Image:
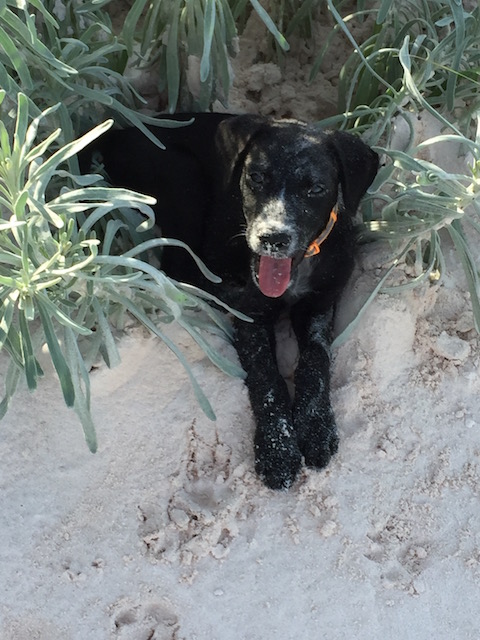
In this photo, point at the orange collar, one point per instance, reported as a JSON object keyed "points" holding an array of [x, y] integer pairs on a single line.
{"points": [[314, 247]]}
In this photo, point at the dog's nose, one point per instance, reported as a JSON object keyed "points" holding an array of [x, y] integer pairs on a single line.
{"points": [[275, 242]]}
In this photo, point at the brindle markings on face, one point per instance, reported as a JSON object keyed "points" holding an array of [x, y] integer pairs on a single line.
{"points": [[272, 219], [266, 215], [288, 169]]}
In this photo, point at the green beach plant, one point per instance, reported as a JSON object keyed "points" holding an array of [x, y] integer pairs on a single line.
{"points": [[74, 60], [415, 203], [444, 56], [288, 17], [72, 249], [190, 44], [59, 283]]}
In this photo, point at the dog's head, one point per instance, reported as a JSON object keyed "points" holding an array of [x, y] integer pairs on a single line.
{"points": [[294, 181]]}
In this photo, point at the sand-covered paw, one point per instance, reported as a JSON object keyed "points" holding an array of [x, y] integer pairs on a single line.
{"points": [[277, 456], [317, 438]]}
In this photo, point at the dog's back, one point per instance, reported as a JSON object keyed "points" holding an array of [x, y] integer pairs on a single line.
{"points": [[180, 177]]}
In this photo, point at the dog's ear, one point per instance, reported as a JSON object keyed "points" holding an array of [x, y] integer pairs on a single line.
{"points": [[233, 136], [358, 166]]}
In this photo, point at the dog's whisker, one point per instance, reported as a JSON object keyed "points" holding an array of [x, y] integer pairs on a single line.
{"points": [[242, 234]]}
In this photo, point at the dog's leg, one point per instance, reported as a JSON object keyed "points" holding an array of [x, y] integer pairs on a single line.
{"points": [[277, 456], [312, 412]]}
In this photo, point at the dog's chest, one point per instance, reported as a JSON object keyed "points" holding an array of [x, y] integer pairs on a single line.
{"points": [[301, 283]]}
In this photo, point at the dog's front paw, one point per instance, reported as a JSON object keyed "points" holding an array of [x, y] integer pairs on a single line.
{"points": [[317, 438], [277, 456]]}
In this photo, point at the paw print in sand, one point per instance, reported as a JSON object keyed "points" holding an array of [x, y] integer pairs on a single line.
{"points": [[207, 501], [150, 620]]}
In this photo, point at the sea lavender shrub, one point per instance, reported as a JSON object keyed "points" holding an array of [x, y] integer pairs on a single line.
{"points": [[406, 68]]}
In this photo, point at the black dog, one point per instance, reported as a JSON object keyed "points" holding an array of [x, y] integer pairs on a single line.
{"points": [[269, 206]]}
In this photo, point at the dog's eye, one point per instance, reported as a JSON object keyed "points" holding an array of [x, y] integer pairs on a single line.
{"points": [[256, 177], [316, 189]]}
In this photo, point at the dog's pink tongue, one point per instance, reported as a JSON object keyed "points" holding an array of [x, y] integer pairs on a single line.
{"points": [[274, 275]]}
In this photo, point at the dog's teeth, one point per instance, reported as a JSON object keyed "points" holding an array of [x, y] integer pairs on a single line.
{"points": [[274, 275]]}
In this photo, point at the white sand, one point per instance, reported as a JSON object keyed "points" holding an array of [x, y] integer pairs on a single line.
{"points": [[166, 533]]}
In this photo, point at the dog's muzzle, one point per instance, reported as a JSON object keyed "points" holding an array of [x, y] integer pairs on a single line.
{"points": [[273, 270]]}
